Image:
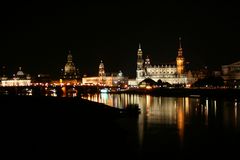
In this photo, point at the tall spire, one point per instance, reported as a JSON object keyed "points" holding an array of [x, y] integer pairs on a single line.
{"points": [[180, 43], [180, 59], [139, 57], [140, 63], [180, 50]]}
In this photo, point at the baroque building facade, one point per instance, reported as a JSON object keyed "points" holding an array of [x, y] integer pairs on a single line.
{"points": [[112, 80], [70, 73], [18, 79], [171, 73]]}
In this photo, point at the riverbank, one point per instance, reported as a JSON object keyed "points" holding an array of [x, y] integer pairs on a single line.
{"points": [[81, 90], [51, 127]]}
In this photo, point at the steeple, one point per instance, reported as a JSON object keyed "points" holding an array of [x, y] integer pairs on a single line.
{"points": [[180, 59], [139, 57], [140, 62], [180, 50], [180, 43], [101, 71]]}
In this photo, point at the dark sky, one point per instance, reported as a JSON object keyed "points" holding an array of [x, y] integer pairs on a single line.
{"points": [[37, 35]]}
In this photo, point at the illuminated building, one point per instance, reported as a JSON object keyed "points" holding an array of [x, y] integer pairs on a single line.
{"points": [[70, 73], [231, 71], [180, 59], [171, 73], [114, 79], [18, 79]]}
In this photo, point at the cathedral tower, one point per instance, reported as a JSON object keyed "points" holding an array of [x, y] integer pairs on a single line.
{"points": [[180, 59], [101, 71], [140, 69], [147, 62]]}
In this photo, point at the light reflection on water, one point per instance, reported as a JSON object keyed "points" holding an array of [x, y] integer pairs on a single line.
{"points": [[161, 110], [159, 114]]}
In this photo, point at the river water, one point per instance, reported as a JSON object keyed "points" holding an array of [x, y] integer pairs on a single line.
{"points": [[180, 126]]}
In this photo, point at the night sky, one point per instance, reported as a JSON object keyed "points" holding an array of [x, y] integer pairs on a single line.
{"points": [[37, 35]]}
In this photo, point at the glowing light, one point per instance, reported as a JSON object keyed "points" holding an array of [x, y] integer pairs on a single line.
{"points": [[104, 90], [148, 87], [16, 82], [148, 105], [187, 105], [215, 107], [235, 114], [206, 112]]}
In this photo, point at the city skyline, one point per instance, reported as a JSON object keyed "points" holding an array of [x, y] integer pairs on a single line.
{"points": [[37, 36]]}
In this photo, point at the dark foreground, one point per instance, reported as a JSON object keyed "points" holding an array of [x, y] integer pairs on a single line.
{"points": [[66, 128], [73, 128]]}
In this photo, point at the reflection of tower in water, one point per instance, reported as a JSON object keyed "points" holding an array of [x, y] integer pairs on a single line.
{"points": [[236, 110], [206, 112], [180, 119]]}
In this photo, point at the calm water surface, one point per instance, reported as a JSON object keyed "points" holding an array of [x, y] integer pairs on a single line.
{"points": [[180, 125]]}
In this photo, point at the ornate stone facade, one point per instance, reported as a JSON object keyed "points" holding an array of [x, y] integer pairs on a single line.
{"points": [[171, 73], [70, 73], [112, 80]]}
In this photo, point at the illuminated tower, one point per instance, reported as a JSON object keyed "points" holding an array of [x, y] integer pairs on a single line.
{"points": [[147, 62], [140, 62], [101, 71], [180, 59]]}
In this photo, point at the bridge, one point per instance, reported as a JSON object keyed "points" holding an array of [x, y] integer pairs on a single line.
{"points": [[49, 90]]}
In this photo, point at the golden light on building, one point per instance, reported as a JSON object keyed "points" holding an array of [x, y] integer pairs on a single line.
{"points": [[171, 73], [18, 79], [180, 59], [112, 80]]}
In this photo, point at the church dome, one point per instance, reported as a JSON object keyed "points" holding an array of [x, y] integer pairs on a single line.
{"points": [[20, 72], [69, 68]]}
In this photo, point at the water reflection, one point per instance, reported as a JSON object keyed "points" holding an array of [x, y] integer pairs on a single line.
{"points": [[169, 110], [51, 92], [174, 113], [180, 118]]}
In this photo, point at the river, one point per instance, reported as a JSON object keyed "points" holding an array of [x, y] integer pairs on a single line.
{"points": [[180, 125]]}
